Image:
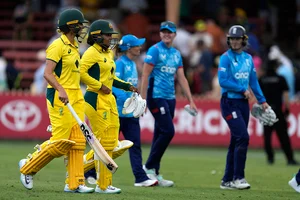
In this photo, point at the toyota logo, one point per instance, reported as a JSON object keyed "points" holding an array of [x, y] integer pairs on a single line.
{"points": [[20, 115]]}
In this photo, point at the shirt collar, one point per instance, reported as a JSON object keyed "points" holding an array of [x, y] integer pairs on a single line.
{"points": [[98, 47], [125, 58], [65, 40], [164, 45]]}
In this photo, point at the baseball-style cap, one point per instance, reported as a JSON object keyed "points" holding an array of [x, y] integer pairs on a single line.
{"points": [[128, 41], [168, 25]]}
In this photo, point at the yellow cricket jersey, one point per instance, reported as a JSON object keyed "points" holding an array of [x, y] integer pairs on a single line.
{"points": [[97, 68], [67, 58]]}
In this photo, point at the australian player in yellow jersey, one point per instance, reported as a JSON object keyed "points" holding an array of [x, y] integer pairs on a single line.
{"points": [[98, 73], [62, 73]]}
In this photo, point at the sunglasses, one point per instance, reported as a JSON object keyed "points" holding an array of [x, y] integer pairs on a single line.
{"points": [[169, 24]]}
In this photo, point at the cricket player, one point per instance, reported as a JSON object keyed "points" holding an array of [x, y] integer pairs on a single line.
{"points": [[130, 48], [62, 73], [162, 63], [236, 73], [98, 73]]}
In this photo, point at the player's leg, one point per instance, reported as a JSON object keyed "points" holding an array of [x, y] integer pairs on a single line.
{"points": [[88, 159], [163, 113], [130, 128], [75, 181], [239, 130], [268, 143], [100, 121], [236, 114], [281, 128], [49, 149], [227, 180]]}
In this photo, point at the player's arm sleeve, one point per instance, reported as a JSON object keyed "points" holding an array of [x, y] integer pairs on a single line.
{"points": [[152, 55], [120, 94], [254, 85], [54, 52], [87, 62], [118, 83], [224, 76]]}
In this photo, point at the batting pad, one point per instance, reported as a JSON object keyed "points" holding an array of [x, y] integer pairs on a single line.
{"points": [[45, 154], [104, 179], [88, 161], [109, 140], [75, 162]]}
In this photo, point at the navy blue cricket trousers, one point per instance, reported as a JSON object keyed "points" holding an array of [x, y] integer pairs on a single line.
{"points": [[236, 114], [130, 128], [163, 113]]}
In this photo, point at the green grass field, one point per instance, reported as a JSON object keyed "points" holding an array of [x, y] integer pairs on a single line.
{"points": [[196, 172]]}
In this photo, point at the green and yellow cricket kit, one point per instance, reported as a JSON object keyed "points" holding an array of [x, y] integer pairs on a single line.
{"points": [[97, 69], [66, 138]]}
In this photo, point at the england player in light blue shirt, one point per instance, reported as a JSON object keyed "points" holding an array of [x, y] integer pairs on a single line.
{"points": [[130, 48], [162, 63], [236, 73]]}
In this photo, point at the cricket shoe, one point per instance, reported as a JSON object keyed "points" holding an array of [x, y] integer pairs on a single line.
{"points": [[241, 184], [109, 190], [80, 189], [293, 183], [229, 185], [91, 176], [161, 182], [146, 183], [26, 180]]}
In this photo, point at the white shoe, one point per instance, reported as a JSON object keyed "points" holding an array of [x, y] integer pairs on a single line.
{"points": [[164, 183], [26, 180], [153, 176], [91, 180], [109, 190], [146, 183], [241, 184], [293, 183], [80, 189], [150, 173], [229, 185]]}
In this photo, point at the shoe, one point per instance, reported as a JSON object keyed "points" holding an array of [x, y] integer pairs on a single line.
{"points": [[150, 173], [270, 161], [241, 184], [91, 180], [293, 183], [26, 180], [229, 185], [153, 176], [292, 162], [80, 189], [110, 190], [146, 183], [163, 182]]}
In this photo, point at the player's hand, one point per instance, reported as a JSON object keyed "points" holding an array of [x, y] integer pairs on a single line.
{"points": [[193, 105], [247, 94], [62, 96], [133, 89], [265, 106], [105, 89]]}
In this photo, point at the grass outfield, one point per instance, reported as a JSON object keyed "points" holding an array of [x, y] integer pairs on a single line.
{"points": [[196, 172]]}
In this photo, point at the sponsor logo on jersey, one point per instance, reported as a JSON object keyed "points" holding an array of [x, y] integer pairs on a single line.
{"points": [[170, 70], [241, 75]]}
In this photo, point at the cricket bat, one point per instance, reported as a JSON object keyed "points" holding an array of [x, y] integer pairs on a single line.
{"points": [[94, 143]]}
